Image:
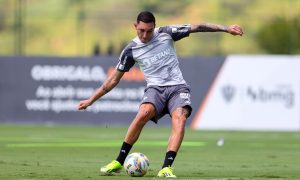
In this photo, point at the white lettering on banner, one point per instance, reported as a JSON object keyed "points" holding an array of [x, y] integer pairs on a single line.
{"points": [[63, 92], [115, 106], [59, 106], [67, 73], [65, 99], [43, 92], [81, 93], [64, 105], [37, 105], [126, 93]]}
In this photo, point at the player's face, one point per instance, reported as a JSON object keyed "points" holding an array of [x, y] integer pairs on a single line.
{"points": [[144, 31]]}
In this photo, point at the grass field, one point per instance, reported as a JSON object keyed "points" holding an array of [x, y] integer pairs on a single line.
{"points": [[77, 152]]}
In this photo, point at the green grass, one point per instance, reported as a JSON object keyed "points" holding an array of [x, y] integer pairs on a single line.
{"points": [[77, 152]]}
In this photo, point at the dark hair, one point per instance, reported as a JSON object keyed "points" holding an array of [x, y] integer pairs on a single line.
{"points": [[146, 17]]}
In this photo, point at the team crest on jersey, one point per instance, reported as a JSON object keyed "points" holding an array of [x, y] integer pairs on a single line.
{"points": [[121, 67], [174, 30]]}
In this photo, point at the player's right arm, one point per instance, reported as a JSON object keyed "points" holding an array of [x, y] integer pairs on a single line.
{"points": [[126, 61], [107, 86]]}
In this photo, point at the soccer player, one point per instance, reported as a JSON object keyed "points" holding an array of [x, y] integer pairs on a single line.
{"points": [[166, 93]]}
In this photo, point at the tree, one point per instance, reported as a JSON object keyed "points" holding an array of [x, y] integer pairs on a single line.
{"points": [[280, 36]]}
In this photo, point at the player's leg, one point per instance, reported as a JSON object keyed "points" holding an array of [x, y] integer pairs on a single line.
{"points": [[180, 107], [179, 117], [145, 113]]}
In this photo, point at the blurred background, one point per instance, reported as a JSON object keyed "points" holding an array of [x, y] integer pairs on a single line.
{"points": [[245, 90], [85, 28]]}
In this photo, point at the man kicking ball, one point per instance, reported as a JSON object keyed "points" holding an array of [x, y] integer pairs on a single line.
{"points": [[166, 93]]}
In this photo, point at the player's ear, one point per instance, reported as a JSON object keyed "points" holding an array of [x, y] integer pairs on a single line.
{"points": [[135, 25]]}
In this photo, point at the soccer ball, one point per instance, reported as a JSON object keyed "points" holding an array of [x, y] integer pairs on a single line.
{"points": [[136, 164]]}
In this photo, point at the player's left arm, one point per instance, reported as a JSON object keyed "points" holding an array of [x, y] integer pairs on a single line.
{"points": [[208, 27]]}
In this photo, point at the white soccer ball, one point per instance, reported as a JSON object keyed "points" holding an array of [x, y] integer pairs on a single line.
{"points": [[136, 164]]}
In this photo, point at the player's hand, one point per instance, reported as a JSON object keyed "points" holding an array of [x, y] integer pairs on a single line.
{"points": [[235, 30], [84, 104]]}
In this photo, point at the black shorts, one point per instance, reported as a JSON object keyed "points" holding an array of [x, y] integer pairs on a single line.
{"points": [[167, 98]]}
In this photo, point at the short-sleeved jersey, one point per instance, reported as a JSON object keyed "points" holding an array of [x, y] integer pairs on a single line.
{"points": [[156, 58]]}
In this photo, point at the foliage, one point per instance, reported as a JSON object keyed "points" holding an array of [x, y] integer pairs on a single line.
{"points": [[166, 7], [280, 36], [77, 27]]}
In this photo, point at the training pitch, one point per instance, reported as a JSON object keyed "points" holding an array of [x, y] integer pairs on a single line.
{"points": [[77, 152]]}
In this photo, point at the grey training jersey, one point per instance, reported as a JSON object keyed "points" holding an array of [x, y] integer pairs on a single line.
{"points": [[157, 58]]}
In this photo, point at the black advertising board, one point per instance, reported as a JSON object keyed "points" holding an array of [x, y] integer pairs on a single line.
{"points": [[47, 90]]}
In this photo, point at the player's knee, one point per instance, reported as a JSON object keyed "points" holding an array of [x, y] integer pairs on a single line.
{"points": [[179, 120], [181, 114], [182, 120], [145, 114]]}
